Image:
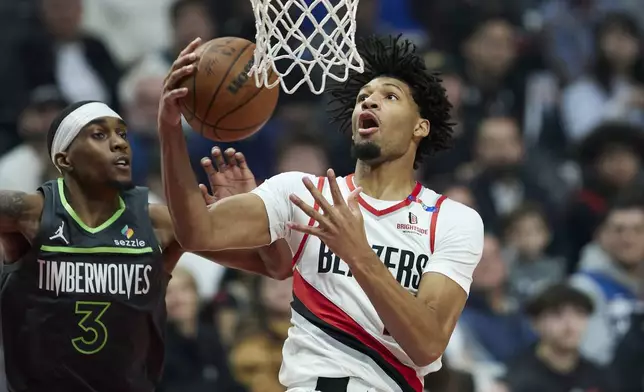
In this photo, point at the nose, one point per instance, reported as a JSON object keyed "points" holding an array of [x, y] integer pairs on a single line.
{"points": [[118, 143], [369, 103]]}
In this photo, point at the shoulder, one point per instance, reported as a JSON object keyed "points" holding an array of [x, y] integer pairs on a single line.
{"points": [[290, 182], [16, 204], [586, 282], [457, 218], [582, 86]]}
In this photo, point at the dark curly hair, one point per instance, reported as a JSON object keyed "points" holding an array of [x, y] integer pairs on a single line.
{"points": [[397, 58]]}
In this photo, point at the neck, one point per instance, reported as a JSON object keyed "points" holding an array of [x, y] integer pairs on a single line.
{"points": [[562, 361], [187, 328], [482, 79], [496, 299], [392, 180], [93, 206]]}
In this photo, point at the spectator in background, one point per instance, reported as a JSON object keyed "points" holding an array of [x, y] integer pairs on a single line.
{"points": [[614, 88], [527, 237], [613, 284], [610, 159], [560, 316], [140, 92], [449, 380], [195, 358], [492, 84], [444, 162], [190, 19], [27, 166], [80, 65], [302, 151], [461, 193], [502, 180], [256, 357], [491, 329], [628, 365]]}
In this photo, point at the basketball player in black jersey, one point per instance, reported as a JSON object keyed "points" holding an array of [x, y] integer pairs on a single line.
{"points": [[84, 307]]}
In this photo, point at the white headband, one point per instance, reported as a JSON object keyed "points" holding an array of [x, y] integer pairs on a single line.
{"points": [[71, 125]]}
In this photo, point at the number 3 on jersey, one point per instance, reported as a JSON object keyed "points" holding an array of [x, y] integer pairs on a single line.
{"points": [[94, 336]]}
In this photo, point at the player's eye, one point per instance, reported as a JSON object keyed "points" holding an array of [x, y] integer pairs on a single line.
{"points": [[98, 135], [362, 97], [391, 97], [122, 134]]}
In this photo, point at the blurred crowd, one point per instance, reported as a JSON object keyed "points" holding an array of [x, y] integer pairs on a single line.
{"points": [[548, 101]]}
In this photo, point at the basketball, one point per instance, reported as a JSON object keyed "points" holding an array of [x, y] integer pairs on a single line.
{"points": [[223, 102]]}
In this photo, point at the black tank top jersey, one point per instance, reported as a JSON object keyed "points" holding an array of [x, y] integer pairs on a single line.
{"points": [[85, 309]]}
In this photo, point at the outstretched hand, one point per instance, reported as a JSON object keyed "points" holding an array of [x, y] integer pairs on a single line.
{"points": [[228, 174], [340, 226], [184, 66]]}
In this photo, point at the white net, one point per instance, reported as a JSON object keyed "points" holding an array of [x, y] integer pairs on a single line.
{"points": [[311, 40]]}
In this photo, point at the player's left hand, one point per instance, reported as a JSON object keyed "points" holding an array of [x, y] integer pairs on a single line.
{"points": [[228, 174], [183, 66], [340, 226]]}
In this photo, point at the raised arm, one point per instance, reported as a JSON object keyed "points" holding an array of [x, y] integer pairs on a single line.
{"points": [[236, 222], [20, 212]]}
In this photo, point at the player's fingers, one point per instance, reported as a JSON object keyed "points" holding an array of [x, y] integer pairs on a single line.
{"points": [[241, 161], [192, 46], [208, 167], [352, 201], [230, 157], [318, 196], [172, 95], [207, 197], [336, 194], [178, 75], [189, 59], [218, 158], [306, 229], [308, 210]]}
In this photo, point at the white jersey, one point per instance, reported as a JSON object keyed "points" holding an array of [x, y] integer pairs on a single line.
{"points": [[336, 330]]}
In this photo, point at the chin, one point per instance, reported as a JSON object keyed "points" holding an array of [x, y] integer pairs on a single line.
{"points": [[123, 184], [366, 151]]}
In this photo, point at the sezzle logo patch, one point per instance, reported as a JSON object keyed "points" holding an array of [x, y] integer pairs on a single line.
{"points": [[128, 233]]}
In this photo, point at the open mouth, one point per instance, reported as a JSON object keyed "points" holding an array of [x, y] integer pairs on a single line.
{"points": [[367, 123], [123, 162]]}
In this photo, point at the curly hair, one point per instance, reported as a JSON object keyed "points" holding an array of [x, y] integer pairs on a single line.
{"points": [[397, 58]]}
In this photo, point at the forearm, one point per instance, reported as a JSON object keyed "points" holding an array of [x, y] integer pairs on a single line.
{"points": [[272, 261], [189, 214], [409, 321]]}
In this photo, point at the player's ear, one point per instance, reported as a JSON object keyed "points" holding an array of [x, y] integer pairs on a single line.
{"points": [[62, 162], [422, 128]]}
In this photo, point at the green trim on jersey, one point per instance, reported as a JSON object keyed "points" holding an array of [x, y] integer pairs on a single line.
{"points": [[92, 230], [99, 249]]}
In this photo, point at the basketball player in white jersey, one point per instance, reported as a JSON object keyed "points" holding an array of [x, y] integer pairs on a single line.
{"points": [[382, 266]]}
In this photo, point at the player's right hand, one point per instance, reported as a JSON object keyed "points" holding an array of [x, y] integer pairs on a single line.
{"points": [[183, 66], [228, 174]]}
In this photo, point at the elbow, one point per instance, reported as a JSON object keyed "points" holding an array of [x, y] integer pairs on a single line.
{"points": [[426, 357], [429, 352], [192, 242], [281, 274]]}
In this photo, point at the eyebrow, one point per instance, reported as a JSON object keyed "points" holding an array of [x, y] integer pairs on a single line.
{"points": [[394, 86], [367, 86]]}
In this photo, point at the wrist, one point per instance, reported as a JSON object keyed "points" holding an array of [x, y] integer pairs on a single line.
{"points": [[363, 260]]}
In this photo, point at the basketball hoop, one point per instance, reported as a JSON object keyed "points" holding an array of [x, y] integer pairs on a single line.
{"points": [[282, 37]]}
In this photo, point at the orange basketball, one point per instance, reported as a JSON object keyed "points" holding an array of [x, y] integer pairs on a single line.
{"points": [[223, 102]]}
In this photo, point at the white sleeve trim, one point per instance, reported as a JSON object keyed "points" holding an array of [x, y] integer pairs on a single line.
{"points": [[458, 243], [275, 193]]}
